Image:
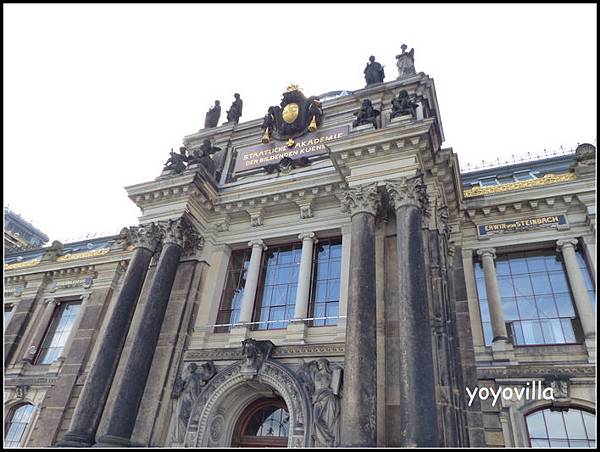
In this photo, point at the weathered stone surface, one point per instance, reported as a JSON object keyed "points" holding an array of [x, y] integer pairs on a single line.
{"points": [[416, 376], [91, 403], [359, 405], [131, 387], [16, 327]]}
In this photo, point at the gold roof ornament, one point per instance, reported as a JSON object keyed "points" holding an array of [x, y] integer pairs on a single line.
{"points": [[293, 87]]}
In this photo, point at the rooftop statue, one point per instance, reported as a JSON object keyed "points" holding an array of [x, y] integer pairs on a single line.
{"points": [[403, 105], [373, 72], [405, 63], [202, 156], [212, 115], [176, 162], [234, 113], [366, 115]]}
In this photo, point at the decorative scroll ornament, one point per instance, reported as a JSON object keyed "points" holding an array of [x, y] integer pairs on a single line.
{"points": [[408, 192], [322, 383], [146, 236], [187, 391], [362, 199]]}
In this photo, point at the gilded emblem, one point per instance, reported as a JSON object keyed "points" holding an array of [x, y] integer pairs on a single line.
{"points": [[290, 113]]}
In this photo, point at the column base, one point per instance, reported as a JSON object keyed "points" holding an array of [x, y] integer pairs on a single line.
{"points": [[112, 441], [296, 332], [237, 335], [74, 440], [503, 350]]}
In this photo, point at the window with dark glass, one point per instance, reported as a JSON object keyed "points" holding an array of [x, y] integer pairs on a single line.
{"points": [[325, 293], [572, 428], [536, 299], [488, 182], [265, 423], [16, 426], [279, 281], [231, 301], [523, 175], [8, 310], [58, 332]]}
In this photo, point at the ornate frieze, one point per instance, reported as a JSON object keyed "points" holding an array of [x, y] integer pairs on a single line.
{"points": [[362, 199], [282, 351], [532, 372], [408, 191], [546, 180]]}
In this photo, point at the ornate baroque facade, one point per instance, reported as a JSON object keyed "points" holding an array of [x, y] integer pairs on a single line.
{"points": [[346, 297]]}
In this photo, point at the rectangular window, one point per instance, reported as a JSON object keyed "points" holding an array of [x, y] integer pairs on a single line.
{"points": [[58, 332], [523, 175], [325, 290], [231, 300], [488, 182], [536, 299], [277, 288]]}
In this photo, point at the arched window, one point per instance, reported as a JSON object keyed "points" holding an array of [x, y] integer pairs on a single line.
{"points": [[572, 428], [264, 423], [17, 424]]}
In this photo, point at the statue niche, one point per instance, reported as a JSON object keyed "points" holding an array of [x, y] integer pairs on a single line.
{"points": [[322, 383], [187, 391], [403, 105], [366, 115]]}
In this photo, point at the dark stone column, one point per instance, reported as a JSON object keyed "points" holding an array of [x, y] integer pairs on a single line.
{"points": [[92, 400], [418, 415], [16, 327], [122, 417], [359, 413]]}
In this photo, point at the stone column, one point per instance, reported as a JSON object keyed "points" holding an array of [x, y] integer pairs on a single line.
{"points": [[578, 287], [303, 291], [359, 405], [418, 413], [122, 417], [40, 331], [93, 397], [493, 295], [251, 285]]}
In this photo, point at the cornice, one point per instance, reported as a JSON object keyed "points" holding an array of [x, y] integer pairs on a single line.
{"points": [[282, 351], [536, 371]]}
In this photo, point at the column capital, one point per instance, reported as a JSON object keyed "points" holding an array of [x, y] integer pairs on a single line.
{"points": [[259, 243], [181, 233], [487, 252], [144, 236], [308, 236], [361, 199], [408, 191], [566, 243]]}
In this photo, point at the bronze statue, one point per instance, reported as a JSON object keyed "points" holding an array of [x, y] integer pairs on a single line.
{"points": [[212, 115], [373, 72], [405, 63], [234, 113], [366, 115], [403, 105], [202, 156], [176, 162]]}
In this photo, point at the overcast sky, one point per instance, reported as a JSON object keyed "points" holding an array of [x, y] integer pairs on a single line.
{"points": [[95, 96]]}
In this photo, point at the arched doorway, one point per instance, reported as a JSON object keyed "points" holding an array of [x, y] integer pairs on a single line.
{"points": [[264, 423]]}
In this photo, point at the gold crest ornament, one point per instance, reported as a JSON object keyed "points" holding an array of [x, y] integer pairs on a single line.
{"points": [[290, 112]]}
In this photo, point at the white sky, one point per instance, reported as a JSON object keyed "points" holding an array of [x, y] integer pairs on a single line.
{"points": [[95, 96]]}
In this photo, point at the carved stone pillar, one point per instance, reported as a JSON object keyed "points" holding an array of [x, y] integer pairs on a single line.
{"points": [[90, 405], [251, 285], [578, 287], [42, 326], [359, 413], [418, 414], [303, 292], [493, 295], [176, 234]]}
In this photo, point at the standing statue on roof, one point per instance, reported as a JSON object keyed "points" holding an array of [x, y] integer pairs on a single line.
{"points": [[234, 113], [406, 63], [212, 115], [373, 72]]}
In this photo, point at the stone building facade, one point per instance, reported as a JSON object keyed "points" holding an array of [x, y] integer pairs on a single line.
{"points": [[343, 287]]}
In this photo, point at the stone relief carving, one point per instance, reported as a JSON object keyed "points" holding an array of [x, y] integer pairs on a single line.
{"points": [[365, 198], [255, 353], [560, 390], [21, 390], [322, 384], [186, 391], [55, 250]]}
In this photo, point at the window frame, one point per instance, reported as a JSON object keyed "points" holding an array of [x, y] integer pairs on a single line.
{"points": [[9, 419], [58, 309], [333, 240], [240, 440], [550, 408]]}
